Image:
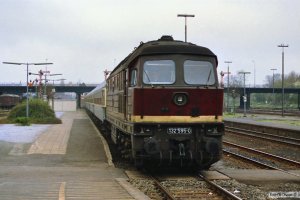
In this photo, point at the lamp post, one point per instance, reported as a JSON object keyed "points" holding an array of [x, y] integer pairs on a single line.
{"points": [[47, 80], [228, 72], [185, 26], [282, 83], [53, 90], [27, 64], [45, 86], [244, 97]]}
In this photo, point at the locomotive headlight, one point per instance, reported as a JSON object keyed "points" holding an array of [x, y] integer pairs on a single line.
{"points": [[180, 99]]}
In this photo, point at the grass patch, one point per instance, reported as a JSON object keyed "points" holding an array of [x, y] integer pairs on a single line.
{"points": [[3, 120], [39, 113], [232, 115]]}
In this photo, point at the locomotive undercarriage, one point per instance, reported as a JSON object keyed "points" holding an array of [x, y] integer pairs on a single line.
{"points": [[197, 145]]}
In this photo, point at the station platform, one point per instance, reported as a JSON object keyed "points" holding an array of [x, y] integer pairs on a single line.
{"points": [[275, 121], [261, 176], [65, 161]]}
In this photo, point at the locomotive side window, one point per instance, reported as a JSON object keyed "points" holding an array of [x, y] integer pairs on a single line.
{"points": [[159, 72], [133, 77], [199, 72]]}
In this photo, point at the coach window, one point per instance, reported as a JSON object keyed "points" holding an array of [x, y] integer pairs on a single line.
{"points": [[133, 77], [113, 83], [159, 72], [199, 72]]}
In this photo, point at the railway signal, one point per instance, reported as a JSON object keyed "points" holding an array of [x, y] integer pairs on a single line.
{"points": [[245, 96], [228, 73]]}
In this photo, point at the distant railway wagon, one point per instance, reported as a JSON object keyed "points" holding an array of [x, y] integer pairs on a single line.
{"points": [[163, 104], [8, 101]]}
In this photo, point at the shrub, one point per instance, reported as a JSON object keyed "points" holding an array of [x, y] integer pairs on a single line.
{"points": [[24, 121], [39, 112]]}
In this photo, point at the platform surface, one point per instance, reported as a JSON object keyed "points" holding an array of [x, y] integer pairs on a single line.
{"points": [[64, 161]]}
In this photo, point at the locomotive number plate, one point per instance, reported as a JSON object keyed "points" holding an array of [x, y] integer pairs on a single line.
{"points": [[186, 130]]}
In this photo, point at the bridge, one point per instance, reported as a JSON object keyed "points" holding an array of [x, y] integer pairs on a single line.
{"points": [[79, 90], [249, 91]]}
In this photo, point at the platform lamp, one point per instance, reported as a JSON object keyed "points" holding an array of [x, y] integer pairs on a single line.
{"points": [[282, 82], [53, 90], [27, 64], [185, 25], [244, 97], [45, 87]]}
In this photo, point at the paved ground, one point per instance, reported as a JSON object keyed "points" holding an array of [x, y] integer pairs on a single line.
{"points": [[267, 120], [66, 161]]}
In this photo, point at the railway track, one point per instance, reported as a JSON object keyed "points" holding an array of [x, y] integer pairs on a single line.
{"points": [[193, 188], [265, 136], [184, 187], [261, 159], [272, 112]]}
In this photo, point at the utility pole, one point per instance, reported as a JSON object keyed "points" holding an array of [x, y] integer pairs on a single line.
{"points": [[254, 72], [245, 96], [228, 73], [273, 69], [185, 25], [282, 83]]}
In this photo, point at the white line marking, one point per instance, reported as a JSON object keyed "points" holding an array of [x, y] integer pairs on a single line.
{"points": [[62, 189]]}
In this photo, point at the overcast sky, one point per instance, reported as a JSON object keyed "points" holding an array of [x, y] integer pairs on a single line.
{"points": [[84, 37]]}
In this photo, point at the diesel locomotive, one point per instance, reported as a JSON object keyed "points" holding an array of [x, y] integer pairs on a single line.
{"points": [[163, 104]]}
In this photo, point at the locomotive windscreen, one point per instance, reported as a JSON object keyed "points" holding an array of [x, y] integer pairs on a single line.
{"points": [[159, 72], [198, 72]]}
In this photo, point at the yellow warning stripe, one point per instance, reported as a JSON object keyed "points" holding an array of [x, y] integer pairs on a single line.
{"points": [[177, 119]]}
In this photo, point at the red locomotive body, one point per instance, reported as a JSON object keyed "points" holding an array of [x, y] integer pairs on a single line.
{"points": [[200, 102]]}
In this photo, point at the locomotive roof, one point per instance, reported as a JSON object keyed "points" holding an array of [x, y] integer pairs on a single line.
{"points": [[164, 45]]}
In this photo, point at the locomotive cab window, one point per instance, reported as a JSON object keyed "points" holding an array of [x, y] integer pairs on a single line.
{"points": [[159, 72], [199, 72]]}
